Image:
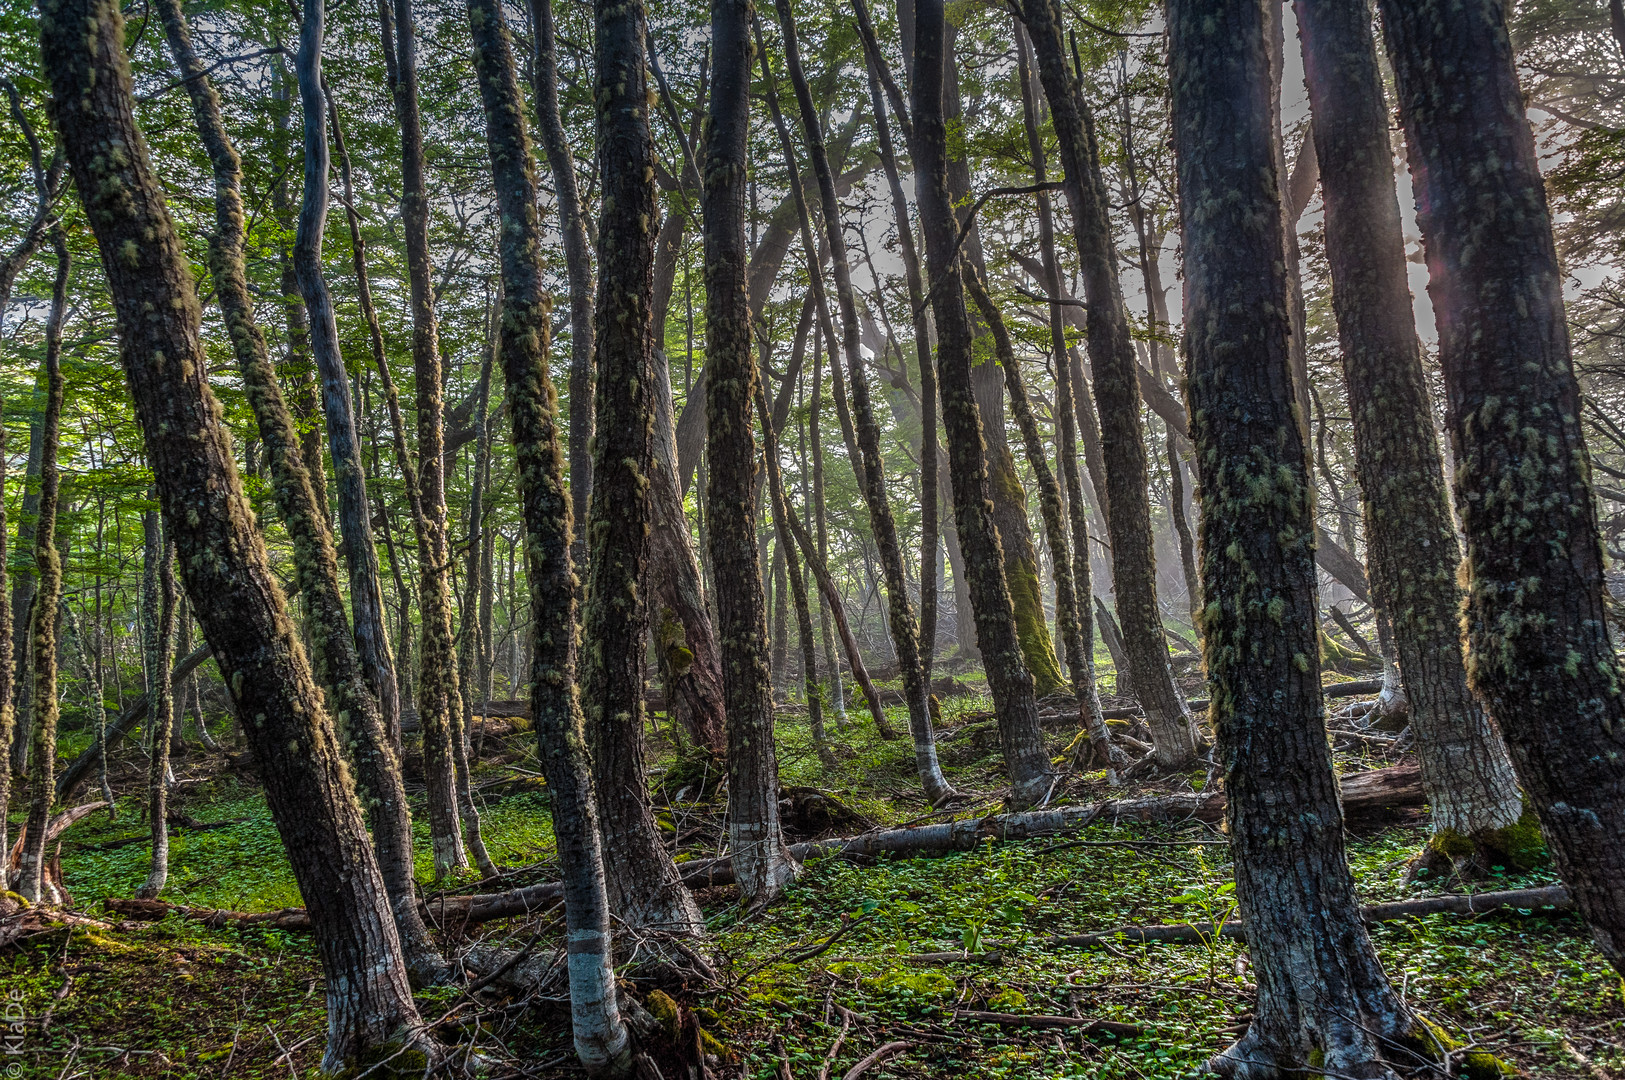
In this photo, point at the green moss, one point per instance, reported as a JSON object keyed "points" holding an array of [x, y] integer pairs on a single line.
{"points": [[1434, 1041], [1007, 1000], [1036, 647], [665, 1011], [915, 983]]}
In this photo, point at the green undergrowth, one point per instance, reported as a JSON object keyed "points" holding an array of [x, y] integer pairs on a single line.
{"points": [[175, 999]]}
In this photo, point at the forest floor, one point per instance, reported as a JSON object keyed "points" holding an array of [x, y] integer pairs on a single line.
{"points": [[176, 999]]}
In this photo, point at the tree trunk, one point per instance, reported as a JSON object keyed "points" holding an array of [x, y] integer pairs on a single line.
{"points": [[645, 890], [872, 477], [758, 843], [930, 528], [25, 585], [815, 451], [378, 664], [683, 630], [797, 583], [334, 648], [578, 260], [1008, 679], [42, 632], [437, 699], [1049, 493], [469, 658], [1411, 551], [601, 1039], [1079, 636], [163, 726], [223, 560], [1324, 1004], [1539, 657], [1117, 394]]}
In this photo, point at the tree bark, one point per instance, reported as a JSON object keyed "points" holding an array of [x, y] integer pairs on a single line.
{"points": [[25, 585], [437, 697], [1008, 679], [1049, 493], [754, 833], [338, 664], [1117, 394], [577, 261], [1324, 1003], [1411, 550], [163, 725], [645, 890], [872, 477], [1078, 637], [1540, 657], [222, 558], [601, 1038], [797, 583], [42, 631]]}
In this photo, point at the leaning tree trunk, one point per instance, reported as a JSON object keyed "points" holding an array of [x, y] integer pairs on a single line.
{"points": [[25, 584], [1011, 685], [334, 649], [223, 560], [827, 330], [904, 631], [759, 848], [796, 582], [645, 889], [601, 1039], [162, 723], [355, 513], [1540, 657], [577, 260], [930, 526], [1084, 685], [1324, 1004], [1117, 394], [1055, 527], [42, 630], [1411, 551], [439, 711]]}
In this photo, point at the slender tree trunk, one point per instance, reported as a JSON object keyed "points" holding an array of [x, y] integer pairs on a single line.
{"points": [[1540, 658], [1080, 647], [42, 632], [372, 645], [930, 529], [1411, 551], [601, 1039], [1008, 679], [578, 260], [644, 885], [468, 654], [759, 849], [815, 451], [871, 466], [222, 558], [337, 661], [25, 585], [1117, 393], [438, 704], [1324, 1004], [1055, 527], [797, 583], [162, 722]]}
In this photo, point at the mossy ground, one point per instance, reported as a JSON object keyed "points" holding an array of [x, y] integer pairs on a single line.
{"points": [[175, 999]]}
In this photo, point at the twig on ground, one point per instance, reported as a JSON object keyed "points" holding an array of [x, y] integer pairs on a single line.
{"points": [[890, 1050]]}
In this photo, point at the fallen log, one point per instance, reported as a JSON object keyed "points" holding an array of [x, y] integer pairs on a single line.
{"points": [[1087, 1028], [215, 918], [1372, 795], [1330, 691], [1535, 901]]}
